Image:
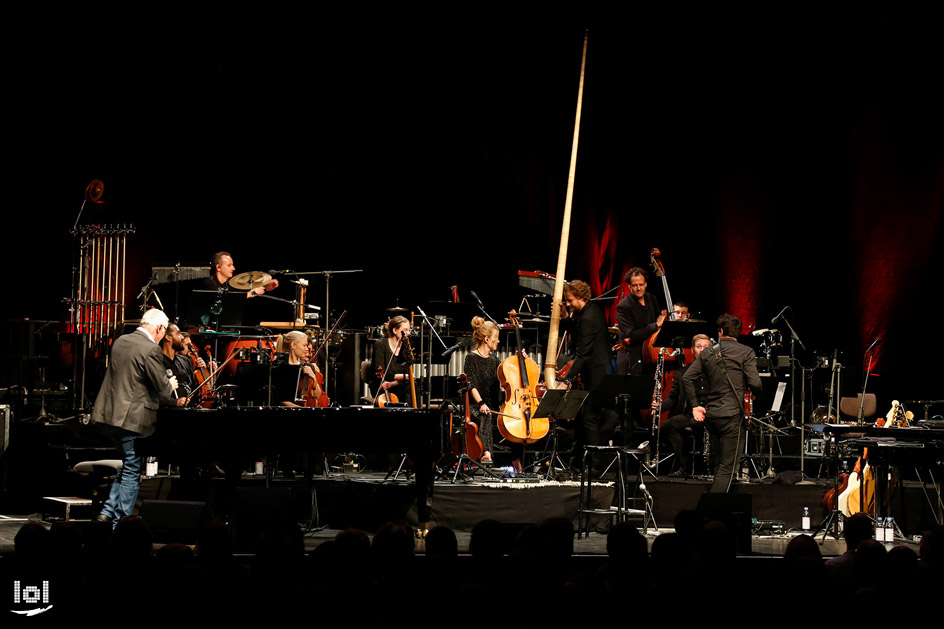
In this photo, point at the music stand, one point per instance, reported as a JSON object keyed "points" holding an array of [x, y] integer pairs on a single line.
{"points": [[558, 404], [679, 334], [630, 392]]}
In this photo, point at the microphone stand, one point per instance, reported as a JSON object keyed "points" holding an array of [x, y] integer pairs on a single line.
{"points": [[870, 352]]}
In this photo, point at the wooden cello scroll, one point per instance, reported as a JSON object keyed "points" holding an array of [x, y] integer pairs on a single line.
{"points": [[550, 362]]}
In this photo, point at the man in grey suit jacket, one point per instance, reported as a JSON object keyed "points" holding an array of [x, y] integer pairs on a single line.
{"points": [[135, 384]]}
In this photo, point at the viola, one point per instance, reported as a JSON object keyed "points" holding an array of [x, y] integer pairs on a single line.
{"points": [[385, 397], [468, 438]]}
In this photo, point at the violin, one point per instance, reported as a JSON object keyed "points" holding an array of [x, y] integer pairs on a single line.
{"points": [[206, 382]]}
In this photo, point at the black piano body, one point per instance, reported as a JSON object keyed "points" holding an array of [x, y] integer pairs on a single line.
{"points": [[241, 433], [258, 431]]}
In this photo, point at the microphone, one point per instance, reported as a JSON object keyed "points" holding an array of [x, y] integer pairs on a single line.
{"points": [[170, 374], [779, 315], [874, 343]]}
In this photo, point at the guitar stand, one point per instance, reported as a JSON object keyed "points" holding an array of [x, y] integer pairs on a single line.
{"points": [[461, 462], [829, 525], [396, 472], [464, 460]]}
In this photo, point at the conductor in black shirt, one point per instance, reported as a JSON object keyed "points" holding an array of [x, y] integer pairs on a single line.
{"points": [[729, 370], [591, 360]]}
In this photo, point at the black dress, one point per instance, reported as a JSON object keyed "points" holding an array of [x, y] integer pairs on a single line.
{"points": [[483, 376], [379, 359]]}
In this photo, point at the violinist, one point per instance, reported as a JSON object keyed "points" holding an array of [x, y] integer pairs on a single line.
{"points": [[591, 360], [187, 361], [639, 318], [183, 363], [170, 344], [397, 379], [292, 377]]}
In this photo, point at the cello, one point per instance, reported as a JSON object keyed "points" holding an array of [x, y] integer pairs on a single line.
{"points": [[518, 376]]}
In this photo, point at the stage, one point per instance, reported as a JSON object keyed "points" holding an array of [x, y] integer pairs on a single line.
{"points": [[322, 506]]}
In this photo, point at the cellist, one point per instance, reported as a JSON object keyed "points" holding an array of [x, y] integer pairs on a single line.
{"points": [[482, 365], [288, 380]]}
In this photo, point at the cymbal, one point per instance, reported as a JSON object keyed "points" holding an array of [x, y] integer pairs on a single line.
{"points": [[250, 279], [396, 309]]}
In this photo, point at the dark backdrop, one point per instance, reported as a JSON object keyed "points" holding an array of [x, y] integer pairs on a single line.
{"points": [[774, 159]]}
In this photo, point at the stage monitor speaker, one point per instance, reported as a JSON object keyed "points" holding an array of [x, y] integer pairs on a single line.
{"points": [[173, 520], [735, 510]]}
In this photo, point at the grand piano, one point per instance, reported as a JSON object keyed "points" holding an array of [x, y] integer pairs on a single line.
{"points": [[247, 433]]}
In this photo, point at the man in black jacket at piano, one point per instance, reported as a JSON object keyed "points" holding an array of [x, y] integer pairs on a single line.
{"points": [[729, 369]]}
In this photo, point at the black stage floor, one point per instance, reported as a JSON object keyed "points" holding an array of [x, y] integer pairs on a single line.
{"points": [[325, 505]]}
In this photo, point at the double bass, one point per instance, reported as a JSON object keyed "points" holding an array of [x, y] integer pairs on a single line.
{"points": [[650, 351]]}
